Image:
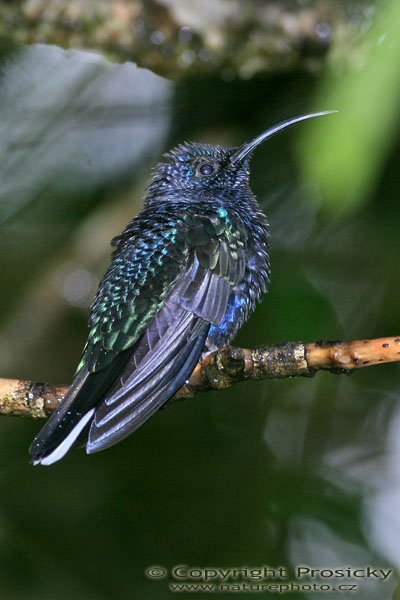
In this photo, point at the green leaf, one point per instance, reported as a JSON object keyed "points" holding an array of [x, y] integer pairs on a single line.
{"points": [[344, 154]]}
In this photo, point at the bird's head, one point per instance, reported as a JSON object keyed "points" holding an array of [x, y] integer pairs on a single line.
{"points": [[194, 170], [198, 169]]}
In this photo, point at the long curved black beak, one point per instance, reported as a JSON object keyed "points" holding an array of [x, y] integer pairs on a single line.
{"points": [[247, 148]]}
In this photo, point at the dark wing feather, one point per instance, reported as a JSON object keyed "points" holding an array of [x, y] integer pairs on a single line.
{"points": [[149, 324], [166, 354], [162, 370], [174, 339]]}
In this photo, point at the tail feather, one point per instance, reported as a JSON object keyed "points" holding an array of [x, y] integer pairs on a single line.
{"points": [[75, 413], [59, 451]]}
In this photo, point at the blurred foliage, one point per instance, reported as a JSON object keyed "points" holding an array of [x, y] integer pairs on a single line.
{"points": [[272, 473], [173, 38], [74, 128], [359, 140]]}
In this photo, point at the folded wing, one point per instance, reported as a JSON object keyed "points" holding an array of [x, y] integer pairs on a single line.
{"points": [[132, 366]]}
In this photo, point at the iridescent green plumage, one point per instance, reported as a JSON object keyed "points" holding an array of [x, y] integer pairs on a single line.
{"points": [[151, 254]]}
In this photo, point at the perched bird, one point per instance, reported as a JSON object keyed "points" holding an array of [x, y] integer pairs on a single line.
{"points": [[185, 275]]}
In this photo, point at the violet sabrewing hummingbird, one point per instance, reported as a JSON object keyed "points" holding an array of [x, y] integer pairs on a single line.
{"points": [[185, 275]]}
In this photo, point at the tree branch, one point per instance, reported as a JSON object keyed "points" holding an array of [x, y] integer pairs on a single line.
{"points": [[219, 370]]}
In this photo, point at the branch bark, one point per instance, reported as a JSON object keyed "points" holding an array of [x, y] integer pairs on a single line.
{"points": [[220, 370]]}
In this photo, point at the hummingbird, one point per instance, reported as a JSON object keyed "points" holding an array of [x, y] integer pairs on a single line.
{"points": [[185, 275]]}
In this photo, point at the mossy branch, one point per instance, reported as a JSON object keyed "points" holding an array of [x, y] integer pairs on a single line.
{"points": [[220, 370]]}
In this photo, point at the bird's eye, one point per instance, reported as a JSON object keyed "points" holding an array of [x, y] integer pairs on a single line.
{"points": [[206, 169]]}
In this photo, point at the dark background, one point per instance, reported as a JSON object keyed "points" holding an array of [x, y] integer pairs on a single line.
{"points": [[270, 473]]}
